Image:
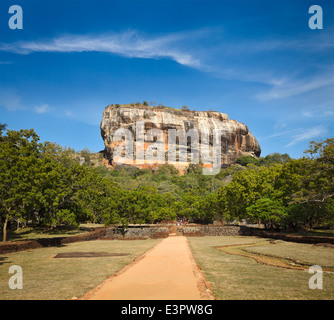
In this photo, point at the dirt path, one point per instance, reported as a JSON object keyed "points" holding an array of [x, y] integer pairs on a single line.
{"points": [[166, 272]]}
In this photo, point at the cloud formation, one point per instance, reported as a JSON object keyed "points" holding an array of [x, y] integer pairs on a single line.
{"points": [[10, 99], [208, 50], [43, 108], [129, 44], [291, 88], [307, 135]]}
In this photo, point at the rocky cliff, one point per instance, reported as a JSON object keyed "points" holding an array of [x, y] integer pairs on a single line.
{"points": [[145, 136]]}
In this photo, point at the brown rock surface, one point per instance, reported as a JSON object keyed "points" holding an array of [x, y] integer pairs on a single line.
{"points": [[142, 121]]}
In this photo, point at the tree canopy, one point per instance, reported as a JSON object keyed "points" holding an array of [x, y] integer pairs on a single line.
{"points": [[44, 184]]}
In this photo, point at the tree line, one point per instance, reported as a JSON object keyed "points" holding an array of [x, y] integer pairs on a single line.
{"points": [[42, 183]]}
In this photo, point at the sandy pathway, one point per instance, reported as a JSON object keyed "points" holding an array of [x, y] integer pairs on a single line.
{"points": [[166, 272]]}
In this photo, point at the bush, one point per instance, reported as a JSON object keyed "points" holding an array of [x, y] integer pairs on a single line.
{"points": [[246, 160]]}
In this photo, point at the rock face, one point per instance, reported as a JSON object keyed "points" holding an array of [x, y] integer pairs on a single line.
{"points": [[146, 137]]}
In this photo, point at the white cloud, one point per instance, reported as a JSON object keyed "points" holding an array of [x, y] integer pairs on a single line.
{"points": [[307, 135], [10, 100], [284, 133], [328, 113], [208, 50], [308, 114], [44, 108], [297, 135], [130, 44], [316, 110], [323, 43], [291, 88], [280, 125], [68, 113]]}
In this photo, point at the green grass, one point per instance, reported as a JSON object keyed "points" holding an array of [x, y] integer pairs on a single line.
{"points": [[47, 278], [307, 253], [33, 233], [236, 277]]}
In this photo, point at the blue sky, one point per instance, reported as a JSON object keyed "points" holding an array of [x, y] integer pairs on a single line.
{"points": [[257, 61]]}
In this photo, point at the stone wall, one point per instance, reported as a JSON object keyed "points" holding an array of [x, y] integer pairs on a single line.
{"points": [[136, 233], [288, 237], [201, 231], [139, 233]]}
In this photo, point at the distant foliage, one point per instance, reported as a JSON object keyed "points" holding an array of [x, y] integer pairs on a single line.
{"points": [[3, 126], [185, 108], [275, 158], [246, 160]]}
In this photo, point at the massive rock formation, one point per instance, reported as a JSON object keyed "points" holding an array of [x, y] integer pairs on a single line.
{"points": [[145, 136]]}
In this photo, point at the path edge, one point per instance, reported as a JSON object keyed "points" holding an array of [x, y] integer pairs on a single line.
{"points": [[89, 294], [203, 284]]}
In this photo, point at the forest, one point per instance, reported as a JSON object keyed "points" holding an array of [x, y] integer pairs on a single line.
{"points": [[44, 184]]}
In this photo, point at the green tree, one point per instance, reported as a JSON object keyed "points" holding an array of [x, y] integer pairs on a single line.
{"points": [[19, 153], [246, 160], [86, 154], [96, 198], [208, 209], [3, 127], [308, 186], [55, 189], [245, 189], [268, 210], [275, 158]]}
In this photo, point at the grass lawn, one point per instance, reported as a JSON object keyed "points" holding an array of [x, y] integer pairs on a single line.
{"points": [[307, 253], [33, 233], [49, 278], [237, 277]]}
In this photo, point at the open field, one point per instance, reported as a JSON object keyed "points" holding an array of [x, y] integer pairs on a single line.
{"points": [[240, 277], [238, 267], [46, 277]]}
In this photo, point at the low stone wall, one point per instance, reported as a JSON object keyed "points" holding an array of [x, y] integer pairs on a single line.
{"points": [[136, 233], [139, 233], [289, 237], [201, 231], [189, 231], [12, 246]]}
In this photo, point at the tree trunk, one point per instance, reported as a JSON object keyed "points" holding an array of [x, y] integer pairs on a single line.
{"points": [[4, 236]]}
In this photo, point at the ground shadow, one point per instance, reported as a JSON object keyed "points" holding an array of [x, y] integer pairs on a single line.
{"points": [[3, 260], [89, 254]]}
